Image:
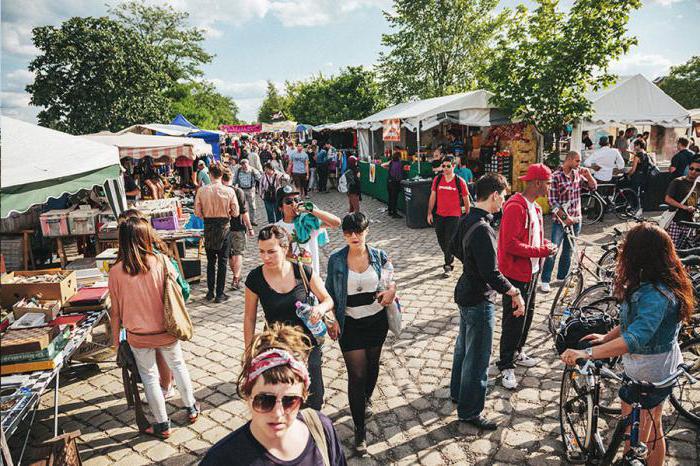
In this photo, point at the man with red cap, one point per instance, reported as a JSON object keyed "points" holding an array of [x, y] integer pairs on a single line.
{"points": [[521, 249]]}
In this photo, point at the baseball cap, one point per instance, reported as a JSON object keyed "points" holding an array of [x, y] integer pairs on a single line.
{"points": [[284, 191], [537, 171], [603, 141]]}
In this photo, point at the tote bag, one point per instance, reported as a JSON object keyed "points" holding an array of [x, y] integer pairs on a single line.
{"points": [[176, 318]]}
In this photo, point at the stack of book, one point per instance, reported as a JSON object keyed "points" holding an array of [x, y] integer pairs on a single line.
{"points": [[88, 299], [33, 349]]}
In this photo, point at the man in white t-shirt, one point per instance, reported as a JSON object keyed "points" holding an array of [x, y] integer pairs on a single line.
{"points": [[292, 205], [605, 161]]}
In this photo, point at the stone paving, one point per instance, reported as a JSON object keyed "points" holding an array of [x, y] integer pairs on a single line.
{"points": [[414, 422]]}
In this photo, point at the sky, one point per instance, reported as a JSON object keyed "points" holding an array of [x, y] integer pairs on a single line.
{"points": [[257, 40]]}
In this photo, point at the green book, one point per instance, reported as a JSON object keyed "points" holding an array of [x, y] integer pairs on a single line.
{"points": [[56, 345]]}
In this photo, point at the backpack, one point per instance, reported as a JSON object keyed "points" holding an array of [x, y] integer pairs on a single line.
{"points": [[270, 193], [459, 190], [343, 183], [577, 327], [455, 245]]}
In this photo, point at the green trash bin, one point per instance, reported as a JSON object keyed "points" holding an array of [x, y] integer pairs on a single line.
{"points": [[416, 193]]}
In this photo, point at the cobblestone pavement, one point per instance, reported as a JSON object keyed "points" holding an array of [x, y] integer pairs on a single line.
{"points": [[414, 422]]}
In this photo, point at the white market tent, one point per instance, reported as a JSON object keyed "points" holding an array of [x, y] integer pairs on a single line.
{"points": [[138, 146], [71, 164], [343, 125], [467, 108], [632, 101], [279, 127]]}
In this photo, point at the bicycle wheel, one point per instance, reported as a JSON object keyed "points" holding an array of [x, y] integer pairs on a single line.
{"points": [[684, 398], [575, 415], [626, 204], [593, 294], [606, 265], [591, 209], [566, 294]]}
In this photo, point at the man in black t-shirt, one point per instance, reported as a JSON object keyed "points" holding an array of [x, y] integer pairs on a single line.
{"points": [[240, 225], [686, 204], [681, 160]]}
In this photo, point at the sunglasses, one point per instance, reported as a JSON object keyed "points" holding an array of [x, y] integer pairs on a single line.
{"points": [[694, 169], [264, 402], [294, 200]]}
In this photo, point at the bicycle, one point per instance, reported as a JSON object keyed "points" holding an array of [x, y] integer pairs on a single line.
{"points": [[624, 202], [578, 415]]}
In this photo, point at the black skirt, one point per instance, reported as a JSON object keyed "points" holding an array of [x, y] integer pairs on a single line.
{"points": [[367, 332]]}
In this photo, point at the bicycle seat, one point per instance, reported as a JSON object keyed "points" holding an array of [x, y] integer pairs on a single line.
{"points": [[694, 225], [664, 207], [688, 252], [691, 261]]}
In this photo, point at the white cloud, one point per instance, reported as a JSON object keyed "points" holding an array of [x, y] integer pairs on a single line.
{"points": [[666, 2], [17, 80], [650, 65], [17, 39], [241, 89], [248, 108]]}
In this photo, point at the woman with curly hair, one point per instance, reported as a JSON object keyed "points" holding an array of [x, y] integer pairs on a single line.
{"points": [[274, 383], [656, 296]]}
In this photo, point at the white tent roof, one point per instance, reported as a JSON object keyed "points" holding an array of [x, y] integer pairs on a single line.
{"points": [[634, 100], [695, 114], [170, 130], [38, 163], [343, 125], [413, 112], [141, 145]]}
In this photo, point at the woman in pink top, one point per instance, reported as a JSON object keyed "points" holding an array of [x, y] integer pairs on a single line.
{"points": [[136, 290]]}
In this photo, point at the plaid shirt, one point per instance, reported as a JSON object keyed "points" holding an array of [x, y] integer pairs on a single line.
{"points": [[565, 192]]}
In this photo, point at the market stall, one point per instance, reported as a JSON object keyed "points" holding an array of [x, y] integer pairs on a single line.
{"points": [[139, 146], [342, 136]]}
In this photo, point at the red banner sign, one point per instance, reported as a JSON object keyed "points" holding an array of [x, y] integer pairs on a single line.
{"points": [[241, 128], [392, 130]]}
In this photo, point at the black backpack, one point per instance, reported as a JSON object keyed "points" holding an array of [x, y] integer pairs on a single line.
{"points": [[459, 191], [270, 193], [462, 236], [577, 327]]}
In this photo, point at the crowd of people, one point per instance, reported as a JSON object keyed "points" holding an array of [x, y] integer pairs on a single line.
{"points": [[282, 375]]}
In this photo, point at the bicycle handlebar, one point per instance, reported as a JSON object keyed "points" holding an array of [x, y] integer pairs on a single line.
{"points": [[586, 366]]}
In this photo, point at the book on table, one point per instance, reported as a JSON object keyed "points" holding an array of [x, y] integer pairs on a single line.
{"points": [[28, 339], [43, 365], [56, 346]]}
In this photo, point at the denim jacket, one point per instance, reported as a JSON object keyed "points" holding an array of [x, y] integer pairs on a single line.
{"points": [[337, 277], [649, 319]]}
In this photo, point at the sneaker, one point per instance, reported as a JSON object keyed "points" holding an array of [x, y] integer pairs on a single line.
{"points": [[446, 271], [508, 380], [360, 442], [480, 422], [222, 298], [209, 296], [545, 288], [524, 360]]}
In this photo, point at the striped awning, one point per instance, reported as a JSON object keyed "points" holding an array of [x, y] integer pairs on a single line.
{"points": [[156, 152]]}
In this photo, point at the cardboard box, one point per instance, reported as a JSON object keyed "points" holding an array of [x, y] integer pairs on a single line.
{"points": [[50, 313], [106, 259], [62, 291]]}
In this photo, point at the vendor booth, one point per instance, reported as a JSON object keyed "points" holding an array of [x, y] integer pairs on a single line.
{"points": [[466, 125], [138, 146], [635, 102], [342, 136]]}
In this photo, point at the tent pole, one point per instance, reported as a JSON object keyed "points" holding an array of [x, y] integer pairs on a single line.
{"points": [[418, 145]]}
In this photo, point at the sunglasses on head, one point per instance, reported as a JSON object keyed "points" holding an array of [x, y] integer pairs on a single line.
{"points": [[265, 402], [294, 200]]}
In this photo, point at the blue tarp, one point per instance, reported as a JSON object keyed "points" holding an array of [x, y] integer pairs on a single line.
{"points": [[208, 136]]}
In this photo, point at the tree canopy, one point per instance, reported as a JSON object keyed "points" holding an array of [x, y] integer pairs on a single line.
{"points": [[548, 60], [273, 105], [95, 74], [203, 106], [683, 83], [437, 47]]}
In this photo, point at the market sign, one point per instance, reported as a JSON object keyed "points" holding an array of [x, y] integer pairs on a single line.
{"points": [[241, 128], [392, 130]]}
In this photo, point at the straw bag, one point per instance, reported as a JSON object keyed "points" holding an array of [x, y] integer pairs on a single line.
{"points": [[176, 318]]}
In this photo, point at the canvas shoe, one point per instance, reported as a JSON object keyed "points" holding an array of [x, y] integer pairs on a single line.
{"points": [[524, 360], [508, 380], [545, 288]]}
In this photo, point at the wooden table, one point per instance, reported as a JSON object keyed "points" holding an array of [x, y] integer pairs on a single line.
{"points": [[170, 238]]}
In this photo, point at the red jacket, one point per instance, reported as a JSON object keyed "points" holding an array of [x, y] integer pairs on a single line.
{"points": [[514, 246]]}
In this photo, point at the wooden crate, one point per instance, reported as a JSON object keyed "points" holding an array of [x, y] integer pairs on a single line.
{"points": [[62, 291]]}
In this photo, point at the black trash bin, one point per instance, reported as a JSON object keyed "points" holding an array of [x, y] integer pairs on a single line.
{"points": [[417, 193]]}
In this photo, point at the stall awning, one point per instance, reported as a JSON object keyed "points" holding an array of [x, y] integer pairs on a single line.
{"points": [[68, 165], [635, 101], [279, 126], [138, 146]]}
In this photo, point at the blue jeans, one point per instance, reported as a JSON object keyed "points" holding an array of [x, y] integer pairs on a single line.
{"points": [[273, 214], [471, 358], [565, 259]]}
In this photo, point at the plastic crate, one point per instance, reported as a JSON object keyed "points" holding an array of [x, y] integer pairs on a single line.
{"points": [[83, 221], [55, 223]]}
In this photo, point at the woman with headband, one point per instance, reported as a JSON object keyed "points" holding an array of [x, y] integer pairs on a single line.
{"points": [[274, 383]]}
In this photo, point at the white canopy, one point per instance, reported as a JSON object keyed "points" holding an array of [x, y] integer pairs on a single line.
{"points": [[139, 146], [343, 125], [468, 108], [39, 163], [634, 100], [170, 130]]}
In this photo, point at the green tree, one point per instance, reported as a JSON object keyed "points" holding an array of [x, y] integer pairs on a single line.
{"points": [[203, 106], [94, 74], [351, 95], [437, 47], [166, 28], [273, 104], [548, 61], [683, 83]]}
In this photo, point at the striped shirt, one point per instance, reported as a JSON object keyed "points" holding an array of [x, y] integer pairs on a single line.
{"points": [[362, 294]]}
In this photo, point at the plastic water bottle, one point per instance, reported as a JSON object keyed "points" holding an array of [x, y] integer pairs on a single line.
{"points": [[387, 276], [564, 317], [318, 330]]}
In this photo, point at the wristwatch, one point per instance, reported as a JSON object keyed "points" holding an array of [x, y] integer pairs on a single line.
{"points": [[589, 352]]}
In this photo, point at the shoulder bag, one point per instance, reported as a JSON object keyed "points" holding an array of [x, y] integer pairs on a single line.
{"points": [[176, 318], [665, 219], [313, 422]]}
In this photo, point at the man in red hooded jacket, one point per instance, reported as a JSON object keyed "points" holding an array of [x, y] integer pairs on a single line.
{"points": [[521, 250]]}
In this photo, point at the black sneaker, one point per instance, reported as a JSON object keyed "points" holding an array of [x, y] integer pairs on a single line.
{"points": [[209, 296], [480, 422], [360, 442], [222, 298]]}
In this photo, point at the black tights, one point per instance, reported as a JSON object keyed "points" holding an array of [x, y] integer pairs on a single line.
{"points": [[363, 371]]}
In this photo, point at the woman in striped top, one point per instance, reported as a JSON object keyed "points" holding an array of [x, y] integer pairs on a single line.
{"points": [[361, 292]]}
